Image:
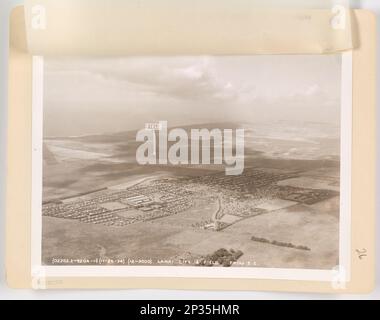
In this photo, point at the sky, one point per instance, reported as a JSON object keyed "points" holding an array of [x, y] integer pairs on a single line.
{"points": [[104, 95]]}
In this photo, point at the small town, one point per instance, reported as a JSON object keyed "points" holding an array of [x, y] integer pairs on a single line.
{"points": [[238, 197]]}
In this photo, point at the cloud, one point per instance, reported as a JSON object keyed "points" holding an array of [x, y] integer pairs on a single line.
{"points": [[115, 94], [174, 78]]}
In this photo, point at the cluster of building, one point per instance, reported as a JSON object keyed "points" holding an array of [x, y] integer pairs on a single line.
{"points": [[84, 211], [239, 196], [240, 208], [248, 183], [305, 196], [143, 202]]}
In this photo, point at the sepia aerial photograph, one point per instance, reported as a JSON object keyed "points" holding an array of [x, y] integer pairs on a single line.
{"points": [[240, 169]]}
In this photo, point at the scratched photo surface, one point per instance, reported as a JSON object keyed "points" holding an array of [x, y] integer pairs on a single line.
{"points": [[101, 206]]}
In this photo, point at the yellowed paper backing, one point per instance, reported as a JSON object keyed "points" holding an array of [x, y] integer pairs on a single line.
{"points": [[363, 180]]}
